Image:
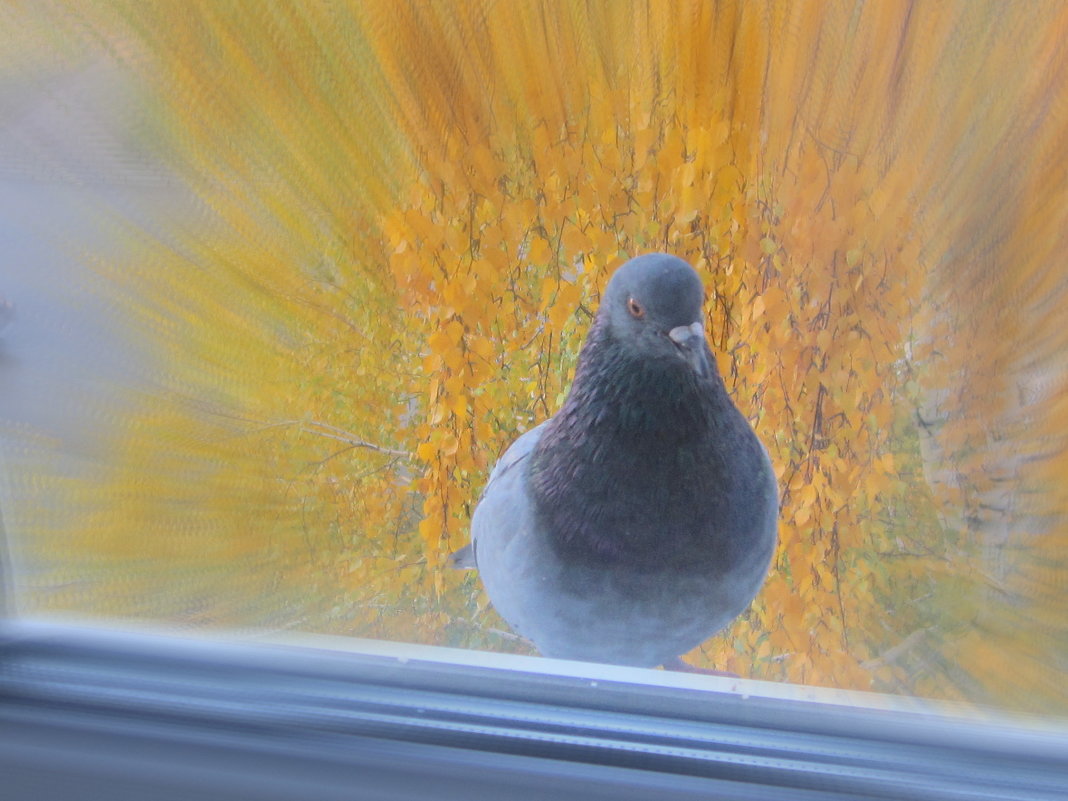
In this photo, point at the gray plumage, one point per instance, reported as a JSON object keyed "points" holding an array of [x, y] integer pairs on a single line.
{"points": [[641, 518]]}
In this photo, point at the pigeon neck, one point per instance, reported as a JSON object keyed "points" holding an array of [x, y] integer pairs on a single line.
{"points": [[662, 403]]}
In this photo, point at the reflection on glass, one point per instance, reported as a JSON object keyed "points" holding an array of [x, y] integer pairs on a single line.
{"points": [[280, 284]]}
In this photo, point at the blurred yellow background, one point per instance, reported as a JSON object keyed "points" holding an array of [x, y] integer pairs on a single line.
{"points": [[288, 277]]}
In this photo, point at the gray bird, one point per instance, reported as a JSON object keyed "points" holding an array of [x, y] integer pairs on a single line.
{"points": [[641, 518]]}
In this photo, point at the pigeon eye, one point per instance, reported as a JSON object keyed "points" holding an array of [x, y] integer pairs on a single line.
{"points": [[635, 309]]}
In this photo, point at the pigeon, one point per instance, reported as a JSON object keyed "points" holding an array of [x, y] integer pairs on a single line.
{"points": [[641, 518]]}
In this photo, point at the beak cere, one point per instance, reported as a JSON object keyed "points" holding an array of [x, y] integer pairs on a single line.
{"points": [[690, 340]]}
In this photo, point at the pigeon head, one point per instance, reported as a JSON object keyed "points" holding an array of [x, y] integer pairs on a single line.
{"points": [[652, 308]]}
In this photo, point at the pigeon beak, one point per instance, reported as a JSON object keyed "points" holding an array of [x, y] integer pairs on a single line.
{"points": [[690, 340]]}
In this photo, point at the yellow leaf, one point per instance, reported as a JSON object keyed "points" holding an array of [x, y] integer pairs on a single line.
{"points": [[453, 358], [458, 406], [481, 347], [455, 332], [758, 308], [539, 250], [440, 342], [575, 241], [429, 530]]}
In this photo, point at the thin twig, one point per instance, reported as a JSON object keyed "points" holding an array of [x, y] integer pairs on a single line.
{"points": [[339, 434], [509, 636], [891, 655]]}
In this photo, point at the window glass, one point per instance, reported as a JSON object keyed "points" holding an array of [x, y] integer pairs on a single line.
{"points": [[281, 282]]}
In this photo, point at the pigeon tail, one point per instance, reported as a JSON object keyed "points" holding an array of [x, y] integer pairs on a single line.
{"points": [[463, 559]]}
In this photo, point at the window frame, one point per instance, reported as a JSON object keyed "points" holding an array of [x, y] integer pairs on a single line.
{"points": [[122, 713]]}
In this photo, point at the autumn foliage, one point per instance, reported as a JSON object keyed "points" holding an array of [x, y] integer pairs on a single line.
{"points": [[407, 213]]}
